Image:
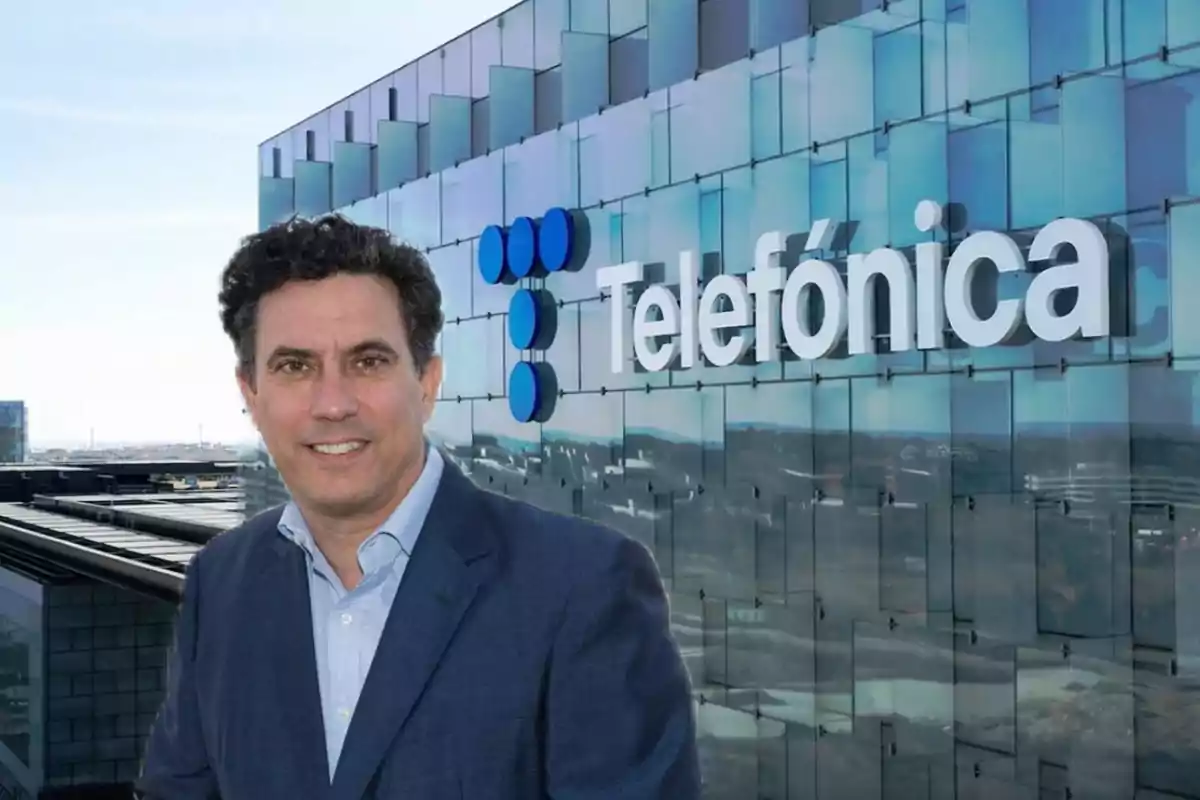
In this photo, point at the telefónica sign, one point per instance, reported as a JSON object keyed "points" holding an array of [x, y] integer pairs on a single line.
{"points": [[732, 313]]}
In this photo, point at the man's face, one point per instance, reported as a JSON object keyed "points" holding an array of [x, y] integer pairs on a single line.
{"points": [[336, 396]]}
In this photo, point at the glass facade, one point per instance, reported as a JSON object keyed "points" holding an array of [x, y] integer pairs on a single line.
{"points": [[960, 572], [81, 680], [14, 432], [106, 654], [22, 684]]}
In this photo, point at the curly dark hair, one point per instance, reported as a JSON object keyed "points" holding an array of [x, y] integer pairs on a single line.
{"points": [[311, 250]]}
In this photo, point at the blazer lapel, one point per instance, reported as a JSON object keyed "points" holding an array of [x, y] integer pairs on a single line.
{"points": [[286, 612], [439, 585]]}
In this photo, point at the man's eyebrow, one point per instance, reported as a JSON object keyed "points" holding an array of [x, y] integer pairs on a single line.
{"points": [[377, 345], [368, 346], [290, 352]]}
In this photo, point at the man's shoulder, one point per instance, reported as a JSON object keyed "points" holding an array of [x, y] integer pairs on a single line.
{"points": [[239, 544]]}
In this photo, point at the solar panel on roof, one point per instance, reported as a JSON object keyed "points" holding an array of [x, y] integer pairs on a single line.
{"points": [[103, 538]]}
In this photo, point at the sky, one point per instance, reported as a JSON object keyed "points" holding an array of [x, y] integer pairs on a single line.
{"points": [[128, 174]]}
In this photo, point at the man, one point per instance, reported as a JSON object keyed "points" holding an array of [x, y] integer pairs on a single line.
{"points": [[395, 631]]}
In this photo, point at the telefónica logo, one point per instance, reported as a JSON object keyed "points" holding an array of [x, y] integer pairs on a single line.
{"points": [[731, 313], [530, 248]]}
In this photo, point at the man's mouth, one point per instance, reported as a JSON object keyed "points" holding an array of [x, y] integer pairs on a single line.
{"points": [[338, 448]]}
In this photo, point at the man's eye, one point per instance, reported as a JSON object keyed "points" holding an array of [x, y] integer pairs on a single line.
{"points": [[371, 362], [291, 367]]}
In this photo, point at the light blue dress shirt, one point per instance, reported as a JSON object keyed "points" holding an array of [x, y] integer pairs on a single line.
{"points": [[347, 625]]}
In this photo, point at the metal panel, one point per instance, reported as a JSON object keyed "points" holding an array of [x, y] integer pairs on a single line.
{"points": [[153, 560]]}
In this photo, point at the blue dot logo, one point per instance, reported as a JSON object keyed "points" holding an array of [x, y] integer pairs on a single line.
{"points": [[531, 248], [556, 239], [523, 319], [492, 252], [532, 388], [523, 247]]}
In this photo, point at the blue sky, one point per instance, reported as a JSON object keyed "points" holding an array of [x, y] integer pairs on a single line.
{"points": [[128, 174]]}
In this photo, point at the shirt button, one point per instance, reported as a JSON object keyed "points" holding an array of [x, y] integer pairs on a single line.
{"points": [[344, 713], [347, 618]]}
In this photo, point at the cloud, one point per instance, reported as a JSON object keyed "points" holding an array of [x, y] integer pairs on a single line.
{"points": [[214, 121]]}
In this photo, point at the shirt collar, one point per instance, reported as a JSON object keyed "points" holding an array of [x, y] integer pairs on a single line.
{"points": [[403, 525]]}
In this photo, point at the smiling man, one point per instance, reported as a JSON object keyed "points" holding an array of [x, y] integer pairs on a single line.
{"points": [[395, 631]]}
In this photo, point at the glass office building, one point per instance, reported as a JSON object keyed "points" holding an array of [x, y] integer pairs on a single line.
{"points": [[966, 569], [14, 432], [81, 679]]}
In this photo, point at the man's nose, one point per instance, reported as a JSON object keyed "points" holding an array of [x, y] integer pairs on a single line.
{"points": [[334, 396]]}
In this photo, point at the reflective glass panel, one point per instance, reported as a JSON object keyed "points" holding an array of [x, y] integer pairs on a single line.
{"points": [[540, 174], [766, 115], [1183, 227], [510, 106], [352, 178], [314, 188], [547, 99], [550, 18], [516, 40], [276, 200], [916, 171], [1066, 36], [472, 197], [585, 74], [617, 150], [711, 122], [897, 78], [998, 57], [429, 83], [674, 29], [415, 212], [842, 95], [449, 131], [452, 266], [628, 63], [407, 98], [22, 685], [396, 155], [625, 16], [724, 32], [589, 16], [1162, 124], [773, 22], [1092, 117], [795, 94], [456, 67]]}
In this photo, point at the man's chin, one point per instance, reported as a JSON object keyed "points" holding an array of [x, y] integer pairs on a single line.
{"points": [[328, 502]]}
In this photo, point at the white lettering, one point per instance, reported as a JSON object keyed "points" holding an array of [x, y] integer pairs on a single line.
{"points": [[616, 280], [893, 267], [712, 321], [797, 328], [647, 329], [764, 280], [931, 306], [1088, 273], [689, 281], [960, 274], [734, 313]]}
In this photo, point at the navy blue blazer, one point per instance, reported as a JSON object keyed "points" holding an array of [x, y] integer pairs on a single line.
{"points": [[527, 655]]}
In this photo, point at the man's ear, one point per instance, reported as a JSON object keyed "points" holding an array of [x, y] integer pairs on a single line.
{"points": [[431, 383], [245, 382]]}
